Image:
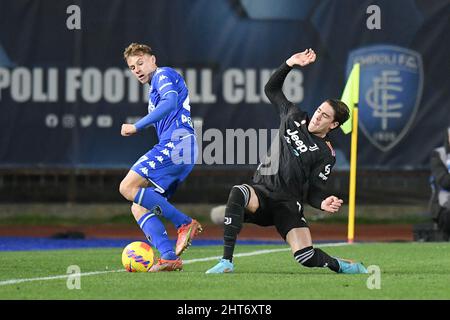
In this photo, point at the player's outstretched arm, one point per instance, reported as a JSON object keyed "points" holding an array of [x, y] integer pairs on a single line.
{"points": [[273, 88], [167, 104], [302, 58]]}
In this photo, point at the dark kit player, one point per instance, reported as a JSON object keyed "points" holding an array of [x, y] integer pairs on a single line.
{"points": [[305, 158]]}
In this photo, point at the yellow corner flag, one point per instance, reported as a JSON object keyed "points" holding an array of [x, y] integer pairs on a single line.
{"points": [[351, 96]]}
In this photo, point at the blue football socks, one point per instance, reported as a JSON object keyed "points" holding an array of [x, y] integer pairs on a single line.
{"points": [[157, 235], [157, 204]]}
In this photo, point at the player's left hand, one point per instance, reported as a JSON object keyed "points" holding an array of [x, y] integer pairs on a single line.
{"points": [[128, 129], [332, 204], [302, 58]]}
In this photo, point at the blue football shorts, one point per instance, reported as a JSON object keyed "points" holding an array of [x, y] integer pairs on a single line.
{"points": [[168, 163]]}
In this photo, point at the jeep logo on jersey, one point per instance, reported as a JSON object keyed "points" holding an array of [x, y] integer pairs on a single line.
{"points": [[390, 91], [298, 144]]}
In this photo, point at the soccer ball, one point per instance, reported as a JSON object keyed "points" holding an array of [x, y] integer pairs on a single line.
{"points": [[137, 257]]}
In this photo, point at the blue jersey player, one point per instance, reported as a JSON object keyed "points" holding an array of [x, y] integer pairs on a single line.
{"points": [[156, 175]]}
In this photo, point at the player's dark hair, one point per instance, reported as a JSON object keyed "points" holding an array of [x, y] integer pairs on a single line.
{"points": [[341, 111], [135, 49]]}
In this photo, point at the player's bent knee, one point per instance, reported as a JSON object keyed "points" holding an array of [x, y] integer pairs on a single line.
{"points": [[127, 191], [123, 189], [252, 203], [241, 192]]}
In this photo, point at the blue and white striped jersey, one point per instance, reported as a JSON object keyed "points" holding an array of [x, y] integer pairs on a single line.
{"points": [[167, 80]]}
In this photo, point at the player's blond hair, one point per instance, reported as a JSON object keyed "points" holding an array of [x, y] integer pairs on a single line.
{"points": [[136, 49]]}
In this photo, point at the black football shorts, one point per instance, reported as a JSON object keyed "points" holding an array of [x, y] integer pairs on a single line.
{"points": [[285, 215]]}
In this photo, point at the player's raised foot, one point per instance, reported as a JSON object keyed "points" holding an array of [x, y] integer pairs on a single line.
{"points": [[186, 233], [350, 267], [167, 265], [224, 266]]}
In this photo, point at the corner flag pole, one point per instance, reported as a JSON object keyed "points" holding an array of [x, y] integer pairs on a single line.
{"points": [[351, 98], [352, 190]]}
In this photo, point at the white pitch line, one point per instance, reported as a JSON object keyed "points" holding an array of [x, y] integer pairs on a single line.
{"points": [[15, 281], [85, 274]]}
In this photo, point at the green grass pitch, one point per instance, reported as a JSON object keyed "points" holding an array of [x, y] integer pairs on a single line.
{"points": [[407, 271]]}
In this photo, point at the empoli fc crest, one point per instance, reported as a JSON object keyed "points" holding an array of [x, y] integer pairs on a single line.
{"points": [[390, 91]]}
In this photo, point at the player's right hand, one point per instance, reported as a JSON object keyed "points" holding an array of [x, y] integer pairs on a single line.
{"points": [[128, 129]]}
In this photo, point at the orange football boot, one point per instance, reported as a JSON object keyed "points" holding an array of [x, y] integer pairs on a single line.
{"points": [[186, 233], [167, 265]]}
